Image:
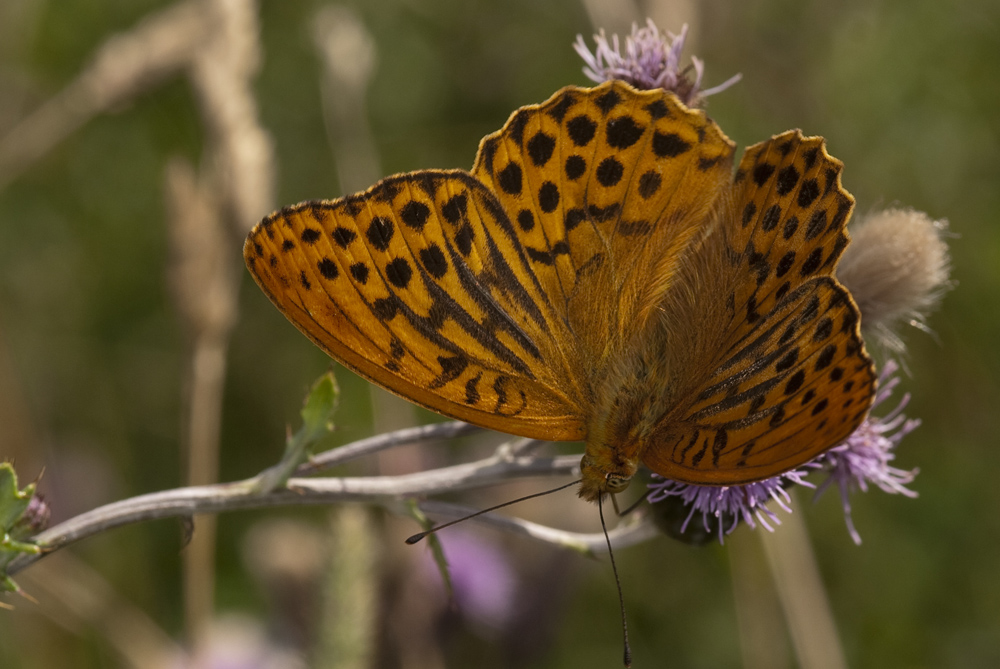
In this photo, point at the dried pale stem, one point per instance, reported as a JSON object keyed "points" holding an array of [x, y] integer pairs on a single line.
{"points": [[411, 435], [383, 490], [237, 182], [124, 66], [803, 596], [634, 531]]}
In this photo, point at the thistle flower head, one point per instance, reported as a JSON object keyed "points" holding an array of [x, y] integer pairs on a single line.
{"points": [[897, 269], [725, 506], [35, 518], [651, 60], [865, 457]]}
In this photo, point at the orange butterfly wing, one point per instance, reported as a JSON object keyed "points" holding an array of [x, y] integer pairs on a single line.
{"points": [[608, 187], [790, 376], [419, 285]]}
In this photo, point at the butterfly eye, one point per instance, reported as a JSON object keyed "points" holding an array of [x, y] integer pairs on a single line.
{"points": [[617, 483]]}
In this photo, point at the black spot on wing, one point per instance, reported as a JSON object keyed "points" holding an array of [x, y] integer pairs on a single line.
{"points": [[509, 178], [515, 129], [359, 271], [415, 214], [464, 238], [669, 145], [791, 225], [610, 172], [788, 177], [817, 223], [581, 129], [548, 197], [810, 157], [526, 220], [342, 236], [785, 264], [434, 261], [540, 148], [762, 172], [451, 368], [657, 109], [575, 167], [488, 151], [472, 389], [559, 110], [771, 217], [603, 214], [399, 272], [812, 262], [649, 183], [328, 269], [454, 210], [808, 192], [622, 132], [380, 232], [825, 357], [608, 101], [573, 218]]}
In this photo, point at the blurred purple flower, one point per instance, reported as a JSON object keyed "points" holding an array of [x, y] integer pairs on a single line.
{"points": [[484, 583], [651, 60], [865, 456]]}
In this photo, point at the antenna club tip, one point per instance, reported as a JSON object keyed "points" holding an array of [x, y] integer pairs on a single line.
{"points": [[627, 659], [416, 538]]}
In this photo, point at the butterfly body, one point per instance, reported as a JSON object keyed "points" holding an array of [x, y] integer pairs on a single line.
{"points": [[600, 275]]}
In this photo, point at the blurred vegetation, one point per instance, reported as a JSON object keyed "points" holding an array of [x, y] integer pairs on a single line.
{"points": [[93, 358]]}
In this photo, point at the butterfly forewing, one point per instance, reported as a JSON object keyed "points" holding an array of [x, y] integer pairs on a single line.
{"points": [[419, 285], [607, 186]]}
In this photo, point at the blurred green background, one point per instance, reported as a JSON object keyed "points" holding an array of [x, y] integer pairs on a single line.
{"points": [[93, 358]]}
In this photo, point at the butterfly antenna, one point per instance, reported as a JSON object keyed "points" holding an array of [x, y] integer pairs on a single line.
{"points": [[627, 656], [420, 535]]}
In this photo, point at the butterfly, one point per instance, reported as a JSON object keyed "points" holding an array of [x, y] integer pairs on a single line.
{"points": [[600, 275]]}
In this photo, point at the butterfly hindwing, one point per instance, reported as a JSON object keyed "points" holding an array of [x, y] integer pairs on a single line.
{"points": [[789, 376], [798, 384], [790, 225], [419, 285]]}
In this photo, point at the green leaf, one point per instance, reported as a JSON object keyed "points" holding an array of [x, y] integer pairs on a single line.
{"points": [[13, 502], [317, 422], [13, 525], [318, 409]]}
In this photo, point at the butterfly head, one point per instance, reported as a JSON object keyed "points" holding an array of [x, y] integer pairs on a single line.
{"points": [[603, 471]]}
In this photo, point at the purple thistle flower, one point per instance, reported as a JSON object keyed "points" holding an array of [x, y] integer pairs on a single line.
{"points": [[865, 456], [731, 504], [651, 60]]}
